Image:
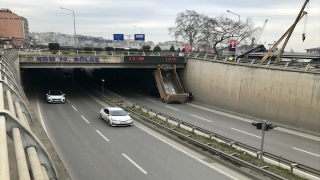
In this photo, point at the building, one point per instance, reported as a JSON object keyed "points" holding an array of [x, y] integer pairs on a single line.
{"points": [[313, 50], [15, 27]]}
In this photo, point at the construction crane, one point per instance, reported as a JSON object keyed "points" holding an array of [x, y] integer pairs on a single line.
{"points": [[288, 35], [259, 35]]}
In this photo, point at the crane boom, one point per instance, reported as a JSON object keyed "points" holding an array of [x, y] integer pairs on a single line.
{"points": [[264, 25]]}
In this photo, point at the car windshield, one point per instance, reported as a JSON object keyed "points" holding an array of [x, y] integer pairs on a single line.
{"points": [[118, 113], [55, 93]]}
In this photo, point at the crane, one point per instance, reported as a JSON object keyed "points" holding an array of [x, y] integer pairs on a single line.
{"points": [[288, 35], [259, 35]]}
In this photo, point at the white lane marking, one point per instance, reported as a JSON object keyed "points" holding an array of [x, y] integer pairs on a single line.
{"points": [[40, 114], [85, 119], [68, 100], [136, 94], [200, 117], [172, 108], [222, 113], [306, 151], [200, 160], [251, 120], [298, 134], [145, 172], [151, 100], [245, 132], [102, 135], [74, 107]]}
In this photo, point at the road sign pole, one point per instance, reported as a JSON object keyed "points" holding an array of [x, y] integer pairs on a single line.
{"points": [[262, 141]]}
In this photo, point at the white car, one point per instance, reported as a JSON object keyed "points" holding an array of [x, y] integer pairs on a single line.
{"points": [[55, 96], [116, 116]]}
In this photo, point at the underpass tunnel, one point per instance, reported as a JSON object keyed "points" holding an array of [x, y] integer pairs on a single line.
{"points": [[141, 79]]}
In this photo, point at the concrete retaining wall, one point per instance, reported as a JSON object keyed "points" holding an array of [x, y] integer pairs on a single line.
{"points": [[290, 98]]}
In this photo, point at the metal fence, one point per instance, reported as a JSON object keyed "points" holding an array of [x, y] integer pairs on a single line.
{"points": [[29, 158]]}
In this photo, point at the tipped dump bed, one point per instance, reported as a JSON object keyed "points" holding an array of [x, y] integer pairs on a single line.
{"points": [[169, 85]]}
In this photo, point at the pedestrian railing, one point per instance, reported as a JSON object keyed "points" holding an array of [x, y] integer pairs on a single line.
{"points": [[21, 152]]}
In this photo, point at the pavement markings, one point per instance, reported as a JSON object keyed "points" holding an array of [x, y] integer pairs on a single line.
{"points": [[200, 118], [200, 160], [85, 119], [151, 100], [145, 172], [172, 108], [306, 151], [136, 94], [102, 135], [68, 100], [74, 108], [251, 120], [245, 132]]}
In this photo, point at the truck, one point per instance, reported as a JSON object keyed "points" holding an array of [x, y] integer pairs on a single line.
{"points": [[169, 85]]}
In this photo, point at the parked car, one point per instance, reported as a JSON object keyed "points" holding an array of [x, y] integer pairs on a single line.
{"points": [[116, 116], [55, 96]]}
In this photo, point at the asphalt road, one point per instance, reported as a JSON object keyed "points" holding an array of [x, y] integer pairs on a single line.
{"points": [[90, 149], [298, 147]]}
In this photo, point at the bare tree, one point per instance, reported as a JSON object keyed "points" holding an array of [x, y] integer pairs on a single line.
{"points": [[188, 26], [220, 30]]}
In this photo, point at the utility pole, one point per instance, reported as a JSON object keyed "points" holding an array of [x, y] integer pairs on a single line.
{"points": [[262, 141], [129, 39]]}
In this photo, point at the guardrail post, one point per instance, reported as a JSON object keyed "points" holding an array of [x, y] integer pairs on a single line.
{"points": [[196, 55], [40, 52], [285, 67], [215, 57], [158, 53], [77, 52], [307, 67], [95, 53], [225, 59], [144, 54], [292, 166], [238, 60], [205, 56], [268, 64], [188, 55], [59, 52], [252, 62], [111, 53]]}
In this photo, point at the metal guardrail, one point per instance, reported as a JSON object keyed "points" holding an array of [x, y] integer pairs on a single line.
{"points": [[31, 159], [282, 65], [294, 167]]}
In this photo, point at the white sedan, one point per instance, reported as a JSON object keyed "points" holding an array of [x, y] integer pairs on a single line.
{"points": [[116, 116], [55, 96]]}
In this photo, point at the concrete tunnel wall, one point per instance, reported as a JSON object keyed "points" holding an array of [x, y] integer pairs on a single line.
{"points": [[285, 97]]}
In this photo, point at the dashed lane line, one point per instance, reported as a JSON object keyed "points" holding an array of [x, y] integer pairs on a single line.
{"points": [[172, 108], [306, 151], [200, 118], [145, 172], [85, 119], [74, 108], [102, 135], [245, 132]]}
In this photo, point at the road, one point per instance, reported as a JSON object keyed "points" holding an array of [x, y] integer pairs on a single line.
{"points": [[90, 149], [298, 147]]}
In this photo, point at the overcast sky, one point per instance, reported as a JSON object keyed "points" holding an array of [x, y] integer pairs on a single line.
{"points": [[103, 18]]}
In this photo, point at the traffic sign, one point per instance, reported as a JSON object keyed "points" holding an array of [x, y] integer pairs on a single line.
{"points": [[118, 37], [139, 37]]}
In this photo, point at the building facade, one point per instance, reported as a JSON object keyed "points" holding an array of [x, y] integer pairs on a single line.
{"points": [[15, 27]]}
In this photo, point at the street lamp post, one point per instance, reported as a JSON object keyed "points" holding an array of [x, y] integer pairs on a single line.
{"points": [[139, 27], [102, 81], [74, 25], [235, 56]]}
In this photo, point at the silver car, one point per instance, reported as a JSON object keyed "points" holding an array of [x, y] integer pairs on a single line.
{"points": [[116, 116], [55, 96]]}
